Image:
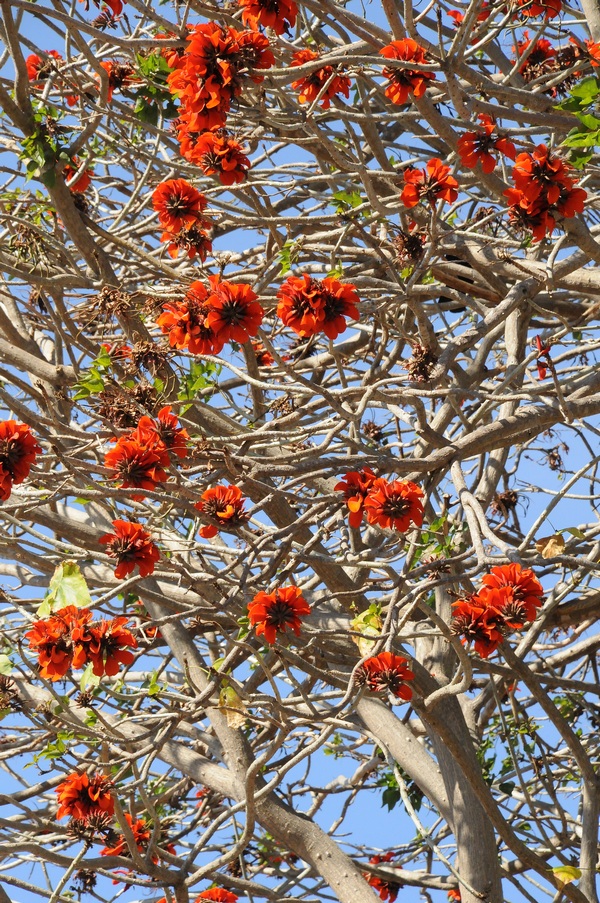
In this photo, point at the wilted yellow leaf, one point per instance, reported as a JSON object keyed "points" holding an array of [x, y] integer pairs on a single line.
{"points": [[550, 546], [565, 874], [368, 623], [233, 707]]}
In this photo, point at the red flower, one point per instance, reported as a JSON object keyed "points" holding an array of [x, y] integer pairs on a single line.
{"points": [[120, 75], [386, 672], [254, 53], [18, 451], [310, 86], [105, 646], [131, 546], [593, 49], [403, 82], [225, 505], [217, 895], [217, 154], [165, 431], [459, 16], [185, 322], [137, 464], [526, 589], [476, 147], [264, 358], [272, 613], [141, 834], [431, 184], [193, 240], [394, 505], [178, 205], [52, 639], [454, 896], [477, 623], [547, 8], [387, 890], [39, 69], [280, 15], [309, 306], [355, 486], [81, 796], [235, 313], [82, 182]]}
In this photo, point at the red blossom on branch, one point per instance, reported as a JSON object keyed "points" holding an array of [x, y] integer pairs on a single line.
{"points": [[396, 505], [309, 306], [52, 639], [179, 205], [235, 313], [225, 506], [163, 431], [217, 895], [272, 613], [80, 796], [217, 154], [431, 184], [356, 486], [532, 8], [386, 672], [476, 147], [280, 15], [185, 322], [405, 81], [18, 451], [311, 85], [132, 546]]}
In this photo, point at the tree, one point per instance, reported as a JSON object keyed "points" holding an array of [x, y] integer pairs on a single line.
{"points": [[298, 456]]}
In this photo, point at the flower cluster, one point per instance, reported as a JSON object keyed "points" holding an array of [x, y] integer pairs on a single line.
{"points": [[217, 895], [477, 147], [224, 505], [309, 306], [203, 321], [132, 547], [206, 79], [509, 597], [140, 456], [18, 451], [542, 59], [387, 890], [543, 189], [272, 613], [326, 82], [395, 505], [386, 673], [70, 639], [280, 15], [405, 81], [431, 184], [39, 70], [119, 74], [82, 797], [180, 207]]}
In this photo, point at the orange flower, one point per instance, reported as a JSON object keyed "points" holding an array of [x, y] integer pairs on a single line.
{"points": [[119, 74], [272, 613], [195, 242], [83, 181], [476, 622], [309, 306], [217, 154], [280, 15], [526, 589], [403, 82], [387, 890], [185, 322], [217, 895], [310, 86], [395, 505], [254, 53], [164, 431], [476, 147], [131, 546], [225, 505], [141, 834], [105, 646], [454, 896], [386, 672], [137, 464], [18, 451], [264, 358], [547, 8], [235, 313], [541, 175], [81, 796], [39, 69], [355, 486], [178, 205], [432, 184], [52, 639], [459, 16]]}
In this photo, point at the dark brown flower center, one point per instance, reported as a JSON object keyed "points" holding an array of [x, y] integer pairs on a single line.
{"points": [[280, 613]]}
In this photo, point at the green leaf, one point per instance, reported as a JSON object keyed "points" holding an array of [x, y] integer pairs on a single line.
{"points": [[288, 256], [6, 665], [347, 200], [67, 587], [574, 531], [507, 787], [88, 678]]}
